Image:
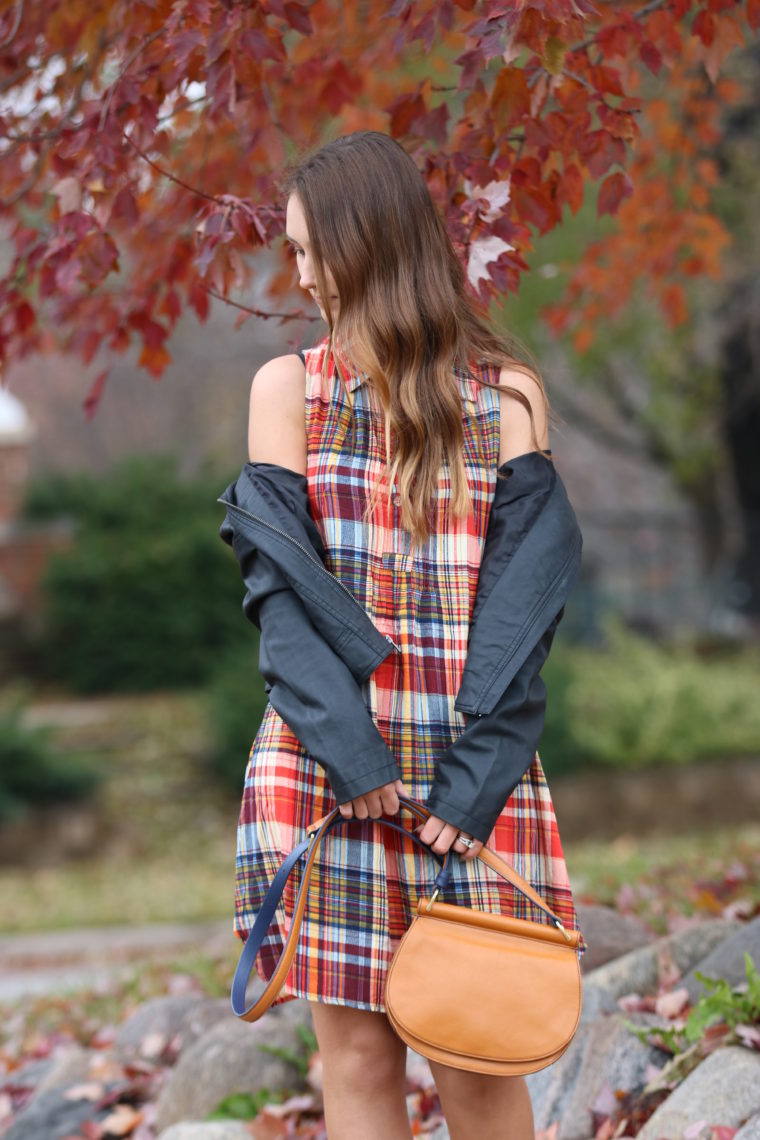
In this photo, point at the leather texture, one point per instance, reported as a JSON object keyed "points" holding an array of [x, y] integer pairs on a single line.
{"points": [[477, 991], [486, 993]]}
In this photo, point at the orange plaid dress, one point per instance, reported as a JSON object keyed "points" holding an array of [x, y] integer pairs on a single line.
{"points": [[364, 893]]}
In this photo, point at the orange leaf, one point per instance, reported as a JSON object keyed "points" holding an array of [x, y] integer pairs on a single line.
{"points": [[571, 188], [510, 98], [155, 359], [583, 338], [676, 312]]}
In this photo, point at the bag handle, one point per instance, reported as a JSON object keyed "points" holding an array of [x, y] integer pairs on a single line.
{"points": [[315, 835]]}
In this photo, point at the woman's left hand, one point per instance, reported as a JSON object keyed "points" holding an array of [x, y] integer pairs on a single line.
{"points": [[440, 836]]}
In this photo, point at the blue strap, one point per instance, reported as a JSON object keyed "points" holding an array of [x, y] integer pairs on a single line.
{"points": [[310, 848], [255, 939]]}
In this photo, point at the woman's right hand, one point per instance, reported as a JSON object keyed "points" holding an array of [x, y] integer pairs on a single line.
{"points": [[380, 801]]}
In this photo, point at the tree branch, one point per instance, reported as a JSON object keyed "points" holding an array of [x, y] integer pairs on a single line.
{"points": [[299, 315], [166, 174], [130, 60]]}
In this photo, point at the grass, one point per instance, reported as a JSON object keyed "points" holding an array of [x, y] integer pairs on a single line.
{"points": [[169, 838], [167, 845]]}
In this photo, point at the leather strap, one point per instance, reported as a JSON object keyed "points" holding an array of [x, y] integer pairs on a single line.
{"points": [[310, 846]]}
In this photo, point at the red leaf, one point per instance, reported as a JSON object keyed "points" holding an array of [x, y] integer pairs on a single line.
{"points": [[433, 125], [607, 80], [25, 317], [404, 111], [601, 150], [704, 27], [753, 14], [298, 18], [472, 64], [124, 207], [534, 206], [613, 190], [661, 27], [651, 57], [92, 399], [261, 45], [570, 188]]}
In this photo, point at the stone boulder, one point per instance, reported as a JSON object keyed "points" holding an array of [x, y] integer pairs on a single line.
{"points": [[639, 970], [182, 1019], [235, 1057], [726, 960], [723, 1089], [609, 934], [604, 1052], [750, 1130], [52, 1116]]}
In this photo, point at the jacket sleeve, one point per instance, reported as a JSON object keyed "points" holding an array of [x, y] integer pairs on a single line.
{"points": [[478, 772], [312, 689]]}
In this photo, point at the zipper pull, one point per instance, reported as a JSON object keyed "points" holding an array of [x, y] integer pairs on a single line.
{"points": [[393, 643]]}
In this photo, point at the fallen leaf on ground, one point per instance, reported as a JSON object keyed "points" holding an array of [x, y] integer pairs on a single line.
{"points": [[121, 1121], [671, 1004]]}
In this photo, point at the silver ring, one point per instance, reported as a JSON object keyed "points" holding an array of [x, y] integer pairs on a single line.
{"points": [[464, 839]]}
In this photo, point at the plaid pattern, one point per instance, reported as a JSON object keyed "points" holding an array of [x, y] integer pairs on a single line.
{"points": [[365, 887]]}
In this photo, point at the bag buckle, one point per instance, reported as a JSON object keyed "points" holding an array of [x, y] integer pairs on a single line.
{"points": [[432, 899], [562, 930]]}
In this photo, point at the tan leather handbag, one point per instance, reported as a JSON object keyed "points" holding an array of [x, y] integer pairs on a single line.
{"points": [[473, 990]]}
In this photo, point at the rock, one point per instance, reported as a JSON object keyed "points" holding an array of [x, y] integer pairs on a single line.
{"points": [[723, 1089], [207, 1130], [612, 1056], [551, 1088], [418, 1070], [49, 1116], [639, 970], [199, 1020], [184, 1018], [609, 934], [71, 1066], [233, 1057], [30, 1075], [751, 1130], [727, 959], [161, 1016]]}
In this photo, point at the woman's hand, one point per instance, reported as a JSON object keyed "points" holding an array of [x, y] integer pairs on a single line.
{"points": [[440, 836], [380, 801]]}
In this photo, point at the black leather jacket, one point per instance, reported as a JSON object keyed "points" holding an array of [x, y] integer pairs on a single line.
{"points": [[318, 644]]}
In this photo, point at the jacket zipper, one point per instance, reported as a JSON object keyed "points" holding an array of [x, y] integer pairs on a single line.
{"points": [[319, 565]]}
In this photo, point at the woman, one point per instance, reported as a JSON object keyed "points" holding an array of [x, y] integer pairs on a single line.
{"points": [[407, 548]]}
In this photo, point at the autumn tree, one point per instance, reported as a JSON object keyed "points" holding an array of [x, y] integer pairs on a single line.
{"points": [[141, 145]]}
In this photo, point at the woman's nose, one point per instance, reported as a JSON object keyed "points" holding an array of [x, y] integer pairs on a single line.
{"points": [[306, 279]]}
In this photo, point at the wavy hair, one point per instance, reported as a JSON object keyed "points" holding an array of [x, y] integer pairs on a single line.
{"points": [[406, 317]]}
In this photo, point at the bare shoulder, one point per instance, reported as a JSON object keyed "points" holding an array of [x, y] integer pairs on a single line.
{"points": [[277, 420], [517, 434]]}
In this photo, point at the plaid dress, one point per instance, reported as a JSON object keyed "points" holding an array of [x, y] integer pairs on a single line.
{"points": [[367, 881]]}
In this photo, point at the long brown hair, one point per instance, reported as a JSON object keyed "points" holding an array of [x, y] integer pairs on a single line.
{"points": [[405, 315]]}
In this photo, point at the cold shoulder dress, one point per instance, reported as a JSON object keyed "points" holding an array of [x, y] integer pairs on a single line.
{"points": [[364, 893]]}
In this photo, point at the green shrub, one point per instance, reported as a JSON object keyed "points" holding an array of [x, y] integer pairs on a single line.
{"points": [[31, 774], [637, 703], [236, 702], [149, 596]]}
